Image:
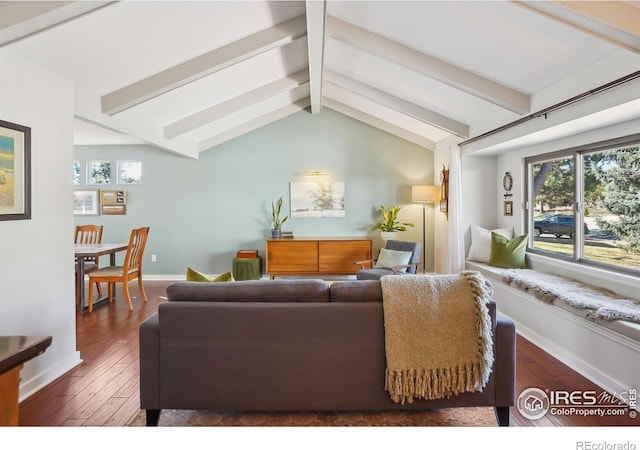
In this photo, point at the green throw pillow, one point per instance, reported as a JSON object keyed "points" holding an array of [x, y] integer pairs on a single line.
{"points": [[227, 276], [508, 253], [391, 258], [194, 275]]}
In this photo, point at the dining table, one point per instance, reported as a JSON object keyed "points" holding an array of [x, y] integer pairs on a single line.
{"points": [[91, 251]]}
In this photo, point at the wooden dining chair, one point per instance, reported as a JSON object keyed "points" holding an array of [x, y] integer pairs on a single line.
{"points": [[129, 270], [88, 234]]}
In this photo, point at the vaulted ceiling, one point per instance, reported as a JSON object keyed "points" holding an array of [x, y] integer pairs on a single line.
{"points": [[186, 76]]}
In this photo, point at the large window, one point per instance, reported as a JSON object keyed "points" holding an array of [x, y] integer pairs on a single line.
{"points": [[584, 204]]}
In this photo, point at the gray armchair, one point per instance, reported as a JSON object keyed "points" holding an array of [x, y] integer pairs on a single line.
{"points": [[375, 273]]}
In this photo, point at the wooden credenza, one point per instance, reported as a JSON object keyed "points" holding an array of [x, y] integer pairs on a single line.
{"points": [[316, 256]]}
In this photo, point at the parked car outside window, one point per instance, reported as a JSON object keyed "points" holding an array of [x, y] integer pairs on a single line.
{"points": [[556, 224]]}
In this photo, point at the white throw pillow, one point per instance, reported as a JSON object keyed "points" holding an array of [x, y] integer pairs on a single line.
{"points": [[391, 258], [480, 250]]}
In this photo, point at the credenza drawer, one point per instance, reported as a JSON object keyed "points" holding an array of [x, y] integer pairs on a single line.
{"points": [[292, 256], [316, 256], [340, 256]]}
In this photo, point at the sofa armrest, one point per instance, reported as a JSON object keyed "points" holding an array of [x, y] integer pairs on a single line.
{"points": [[149, 340], [505, 360]]}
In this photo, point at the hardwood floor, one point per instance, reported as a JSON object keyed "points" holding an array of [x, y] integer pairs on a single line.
{"points": [[103, 389]]}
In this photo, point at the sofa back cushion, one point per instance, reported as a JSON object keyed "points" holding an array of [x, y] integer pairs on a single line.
{"points": [[299, 290], [356, 291]]}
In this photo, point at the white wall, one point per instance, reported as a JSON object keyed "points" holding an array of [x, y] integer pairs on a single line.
{"points": [[36, 256], [223, 199], [441, 157]]}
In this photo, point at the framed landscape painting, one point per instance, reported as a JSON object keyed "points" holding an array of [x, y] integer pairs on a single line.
{"points": [[85, 203], [315, 199], [15, 171]]}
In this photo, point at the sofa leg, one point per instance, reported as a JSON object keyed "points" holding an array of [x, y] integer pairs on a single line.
{"points": [[153, 416], [502, 415]]}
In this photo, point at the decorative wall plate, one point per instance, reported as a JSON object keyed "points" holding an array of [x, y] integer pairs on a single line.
{"points": [[507, 181]]}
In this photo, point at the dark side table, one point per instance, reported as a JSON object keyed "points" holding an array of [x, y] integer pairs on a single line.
{"points": [[247, 268], [14, 352]]}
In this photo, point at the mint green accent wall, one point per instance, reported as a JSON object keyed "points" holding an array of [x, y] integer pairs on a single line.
{"points": [[202, 211]]}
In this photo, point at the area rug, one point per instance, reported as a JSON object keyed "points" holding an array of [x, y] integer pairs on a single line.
{"points": [[450, 417]]}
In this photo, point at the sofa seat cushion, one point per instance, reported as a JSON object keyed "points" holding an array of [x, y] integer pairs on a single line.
{"points": [[300, 290], [356, 291]]}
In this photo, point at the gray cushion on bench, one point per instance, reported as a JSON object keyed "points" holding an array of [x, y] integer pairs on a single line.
{"points": [[602, 303], [623, 327]]}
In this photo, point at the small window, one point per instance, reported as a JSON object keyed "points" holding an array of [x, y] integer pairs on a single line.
{"points": [[554, 205], [99, 172], [129, 172], [76, 172], [612, 186]]}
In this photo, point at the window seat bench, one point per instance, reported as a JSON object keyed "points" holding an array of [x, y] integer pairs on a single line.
{"points": [[605, 351]]}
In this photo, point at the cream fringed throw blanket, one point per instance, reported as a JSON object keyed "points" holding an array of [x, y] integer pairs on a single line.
{"points": [[438, 335]]}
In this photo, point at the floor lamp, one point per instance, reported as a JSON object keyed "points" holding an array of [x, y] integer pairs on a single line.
{"points": [[424, 195]]}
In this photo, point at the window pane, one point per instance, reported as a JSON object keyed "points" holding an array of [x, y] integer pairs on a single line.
{"points": [[612, 209], [76, 172], [99, 172], [129, 172], [554, 205]]}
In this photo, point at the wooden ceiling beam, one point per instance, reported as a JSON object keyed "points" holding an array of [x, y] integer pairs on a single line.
{"points": [[19, 20], [235, 104], [381, 124], [201, 66], [613, 21], [246, 127], [360, 108], [398, 104], [429, 66], [316, 21]]}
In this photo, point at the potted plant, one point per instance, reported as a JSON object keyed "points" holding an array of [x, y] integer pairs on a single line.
{"points": [[389, 225], [276, 221]]}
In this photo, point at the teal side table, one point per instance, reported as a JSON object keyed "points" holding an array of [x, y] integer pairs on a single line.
{"points": [[247, 268]]}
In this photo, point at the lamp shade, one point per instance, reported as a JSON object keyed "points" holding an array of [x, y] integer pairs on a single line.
{"points": [[425, 194]]}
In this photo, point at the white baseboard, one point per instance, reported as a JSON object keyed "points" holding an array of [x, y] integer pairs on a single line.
{"points": [[180, 277], [33, 385]]}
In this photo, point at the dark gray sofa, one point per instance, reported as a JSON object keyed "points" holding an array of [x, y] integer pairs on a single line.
{"points": [[287, 345]]}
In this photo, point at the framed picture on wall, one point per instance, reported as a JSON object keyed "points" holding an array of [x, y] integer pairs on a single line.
{"points": [[85, 203], [15, 171], [113, 197], [508, 208], [315, 199], [114, 210]]}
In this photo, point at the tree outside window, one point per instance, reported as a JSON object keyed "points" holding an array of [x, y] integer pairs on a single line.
{"points": [[99, 172], [603, 198]]}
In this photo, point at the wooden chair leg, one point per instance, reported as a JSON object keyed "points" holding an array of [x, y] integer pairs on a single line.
{"points": [[77, 290], [99, 288], [127, 297], [110, 290], [90, 297], [141, 288]]}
